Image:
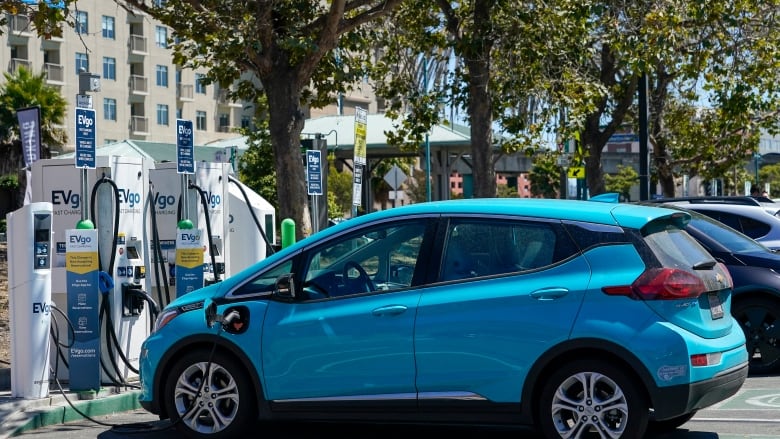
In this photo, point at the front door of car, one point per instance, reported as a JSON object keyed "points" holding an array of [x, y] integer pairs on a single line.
{"points": [[347, 336], [509, 291]]}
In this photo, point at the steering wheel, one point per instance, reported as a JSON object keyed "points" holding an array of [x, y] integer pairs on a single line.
{"points": [[362, 283]]}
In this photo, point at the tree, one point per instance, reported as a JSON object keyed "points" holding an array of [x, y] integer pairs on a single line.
{"points": [[24, 89], [622, 182], [46, 16], [294, 53], [545, 176], [512, 66], [340, 189]]}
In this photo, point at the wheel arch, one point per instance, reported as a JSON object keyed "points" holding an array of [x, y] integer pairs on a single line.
{"points": [[576, 349], [206, 342]]}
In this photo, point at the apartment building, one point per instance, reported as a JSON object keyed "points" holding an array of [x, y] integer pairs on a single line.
{"points": [[142, 92]]}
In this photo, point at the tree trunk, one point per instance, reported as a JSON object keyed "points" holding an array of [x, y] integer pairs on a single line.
{"points": [[286, 122], [480, 110]]}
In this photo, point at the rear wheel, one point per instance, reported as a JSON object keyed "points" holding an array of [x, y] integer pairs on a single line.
{"points": [[760, 320], [209, 397], [591, 398]]}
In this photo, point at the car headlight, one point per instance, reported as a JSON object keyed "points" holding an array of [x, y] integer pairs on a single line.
{"points": [[164, 318]]}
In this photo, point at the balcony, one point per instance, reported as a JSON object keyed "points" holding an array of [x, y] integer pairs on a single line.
{"points": [[223, 98], [139, 125], [19, 26], [55, 73], [184, 92], [16, 63], [139, 85], [137, 44], [226, 129]]}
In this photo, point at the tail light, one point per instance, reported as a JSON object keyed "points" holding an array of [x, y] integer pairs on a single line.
{"points": [[661, 284]]}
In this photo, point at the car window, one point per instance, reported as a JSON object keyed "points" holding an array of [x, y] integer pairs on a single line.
{"points": [[376, 259], [720, 232], [754, 228], [483, 248], [264, 282], [675, 248]]}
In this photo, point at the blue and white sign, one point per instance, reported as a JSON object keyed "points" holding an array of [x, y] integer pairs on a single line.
{"points": [[82, 277], [314, 171], [185, 154], [85, 138]]}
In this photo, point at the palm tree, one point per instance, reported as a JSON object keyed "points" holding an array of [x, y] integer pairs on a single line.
{"points": [[24, 89]]}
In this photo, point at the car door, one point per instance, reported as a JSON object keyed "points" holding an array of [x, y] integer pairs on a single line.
{"points": [[478, 333], [341, 338]]}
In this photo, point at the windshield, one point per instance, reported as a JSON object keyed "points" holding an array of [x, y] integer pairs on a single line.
{"points": [[730, 238]]}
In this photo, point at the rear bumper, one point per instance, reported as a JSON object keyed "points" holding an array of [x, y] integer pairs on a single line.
{"points": [[674, 401]]}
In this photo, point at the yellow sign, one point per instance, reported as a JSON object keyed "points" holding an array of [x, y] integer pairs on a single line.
{"points": [[576, 172], [361, 120]]}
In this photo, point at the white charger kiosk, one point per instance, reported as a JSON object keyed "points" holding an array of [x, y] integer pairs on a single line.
{"points": [[29, 279]]}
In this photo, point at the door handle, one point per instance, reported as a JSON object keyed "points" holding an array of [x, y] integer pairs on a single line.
{"points": [[390, 310], [549, 293]]}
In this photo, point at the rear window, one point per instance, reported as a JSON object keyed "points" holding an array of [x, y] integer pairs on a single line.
{"points": [[728, 237], [675, 248]]}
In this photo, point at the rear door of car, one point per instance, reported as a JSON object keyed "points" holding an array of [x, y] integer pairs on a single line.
{"points": [[481, 327]]}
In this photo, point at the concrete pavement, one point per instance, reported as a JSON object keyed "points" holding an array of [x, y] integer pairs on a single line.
{"points": [[19, 415]]}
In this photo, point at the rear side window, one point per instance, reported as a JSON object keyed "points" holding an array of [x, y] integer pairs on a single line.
{"points": [[750, 227], [476, 248]]}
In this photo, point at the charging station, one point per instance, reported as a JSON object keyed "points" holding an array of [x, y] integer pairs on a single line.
{"points": [[207, 207], [248, 210], [119, 188], [29, 276]]}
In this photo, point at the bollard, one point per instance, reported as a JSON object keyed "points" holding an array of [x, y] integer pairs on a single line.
{"points": [[288, 232]]}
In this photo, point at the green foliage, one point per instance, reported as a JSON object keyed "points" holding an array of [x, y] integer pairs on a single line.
{"points": [[9, 182], [506, 191], [339, 190], [545, 176], [24, 89], [256, 166], [770, 174], [622, 182]]}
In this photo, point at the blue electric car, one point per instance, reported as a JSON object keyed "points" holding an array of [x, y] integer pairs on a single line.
{"points": [[572, 316]]}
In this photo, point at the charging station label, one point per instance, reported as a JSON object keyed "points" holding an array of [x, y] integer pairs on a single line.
{"points": [[81, 264], [189, 260]]}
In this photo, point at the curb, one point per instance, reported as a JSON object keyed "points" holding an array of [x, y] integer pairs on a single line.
{"points": [[68, 411]]}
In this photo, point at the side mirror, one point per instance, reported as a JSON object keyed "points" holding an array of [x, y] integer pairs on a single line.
{"points": [[284, 286], [211, 313]]}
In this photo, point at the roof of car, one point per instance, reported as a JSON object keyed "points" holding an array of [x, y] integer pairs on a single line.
{"points": [[624, 214]]}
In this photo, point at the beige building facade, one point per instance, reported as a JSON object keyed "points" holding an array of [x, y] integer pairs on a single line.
{"points": [[141, 92]]}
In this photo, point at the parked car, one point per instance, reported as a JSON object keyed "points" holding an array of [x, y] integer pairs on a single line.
{"points": [[752, 219], [571, 316], [755, 271]]}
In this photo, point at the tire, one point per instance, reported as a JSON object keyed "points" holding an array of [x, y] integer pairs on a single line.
{"points": [[592, 398], [759, 319], [227, 406], [669, 425]]}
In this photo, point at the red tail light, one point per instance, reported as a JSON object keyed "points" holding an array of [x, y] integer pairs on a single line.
{"points": [[661, 284]]}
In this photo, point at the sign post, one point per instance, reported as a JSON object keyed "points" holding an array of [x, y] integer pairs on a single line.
{"points": [[359, 158], [314, 183]]}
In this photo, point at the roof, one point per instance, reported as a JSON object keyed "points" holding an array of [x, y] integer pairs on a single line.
{"points": [[339, 131]]}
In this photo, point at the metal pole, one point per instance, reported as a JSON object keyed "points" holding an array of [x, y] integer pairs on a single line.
{"points": [[644, 157]]}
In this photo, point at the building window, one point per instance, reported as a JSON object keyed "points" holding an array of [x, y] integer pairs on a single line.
{"points": [[200, 120], [224, 121], [161, 36], [245, 121], [162, 76], [108, 27], [109, 68], [160, 3], [82, 22], [162, 114], [179, 113], [109, 109], [200, 87], [82, 62]]}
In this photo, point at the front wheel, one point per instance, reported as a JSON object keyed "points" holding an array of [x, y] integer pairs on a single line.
{"points": [[591, 398], [209, 396]]}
